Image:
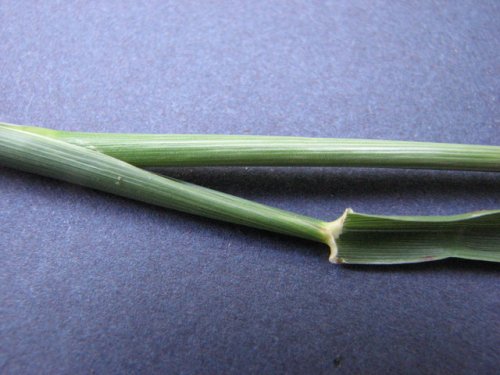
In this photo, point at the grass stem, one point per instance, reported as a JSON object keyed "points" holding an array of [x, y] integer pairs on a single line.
{"points": [[161, 150]]}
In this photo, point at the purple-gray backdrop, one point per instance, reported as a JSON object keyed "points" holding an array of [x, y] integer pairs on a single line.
{"points": [[91, 283]]}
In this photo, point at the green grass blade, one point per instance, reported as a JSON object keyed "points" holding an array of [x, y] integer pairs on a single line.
{"points": [[150, 150], [353, 238], [370, 239]]}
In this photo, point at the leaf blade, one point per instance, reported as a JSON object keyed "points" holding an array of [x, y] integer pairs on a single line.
{"points": [[373, 239]]}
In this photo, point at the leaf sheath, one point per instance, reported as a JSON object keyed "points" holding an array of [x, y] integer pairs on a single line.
{"points": [[57, 159]]}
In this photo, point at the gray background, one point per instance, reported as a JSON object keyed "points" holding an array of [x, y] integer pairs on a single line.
{"points": [[94, 283]]}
